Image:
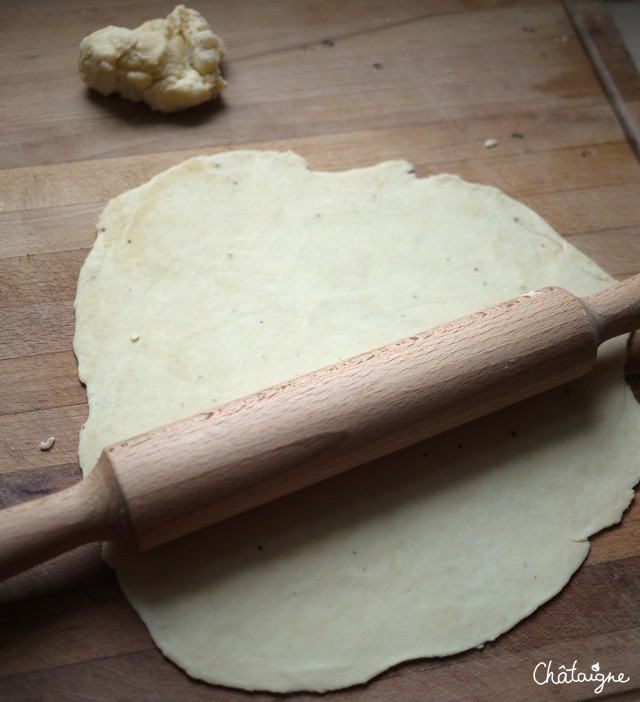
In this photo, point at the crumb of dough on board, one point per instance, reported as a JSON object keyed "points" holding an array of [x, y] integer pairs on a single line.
{"points": [[490, 143], [170, 64], [47, 443]]}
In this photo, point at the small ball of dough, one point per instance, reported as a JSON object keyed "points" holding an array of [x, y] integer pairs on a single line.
{"points": [[170, 63]]}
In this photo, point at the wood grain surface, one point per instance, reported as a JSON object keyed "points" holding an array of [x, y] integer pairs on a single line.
{"points": [[344, 83]]}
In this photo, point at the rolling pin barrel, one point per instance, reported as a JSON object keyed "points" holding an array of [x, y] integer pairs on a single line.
{"points": [[171, 481], [256, 449]]}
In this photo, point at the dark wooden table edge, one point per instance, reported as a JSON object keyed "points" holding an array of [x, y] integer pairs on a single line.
{"points": [[610, 60]]}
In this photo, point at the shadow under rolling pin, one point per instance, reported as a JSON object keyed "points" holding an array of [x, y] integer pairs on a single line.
{"points": [[176, 479]]}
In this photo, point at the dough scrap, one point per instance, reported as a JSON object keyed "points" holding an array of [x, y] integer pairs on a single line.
{"points": [[243, 269], [170, 64]]}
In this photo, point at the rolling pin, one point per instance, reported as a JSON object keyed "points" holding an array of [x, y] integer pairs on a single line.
{"points": [[174, 480]]}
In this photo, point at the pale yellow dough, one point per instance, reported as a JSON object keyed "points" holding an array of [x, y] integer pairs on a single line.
{"points": [[171, 63], [232, 272]]}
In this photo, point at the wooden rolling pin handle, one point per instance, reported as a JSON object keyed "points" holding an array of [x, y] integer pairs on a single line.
{"points": [[40, 529], [615, 310]]}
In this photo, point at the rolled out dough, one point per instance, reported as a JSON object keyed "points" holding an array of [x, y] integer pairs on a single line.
{"points": [[232, 272]]}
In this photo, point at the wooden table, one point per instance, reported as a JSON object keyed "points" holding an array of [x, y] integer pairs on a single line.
{"points": [[345, 84]]}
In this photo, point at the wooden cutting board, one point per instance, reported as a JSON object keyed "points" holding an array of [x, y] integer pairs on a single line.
{"points": [[344, 84]]}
